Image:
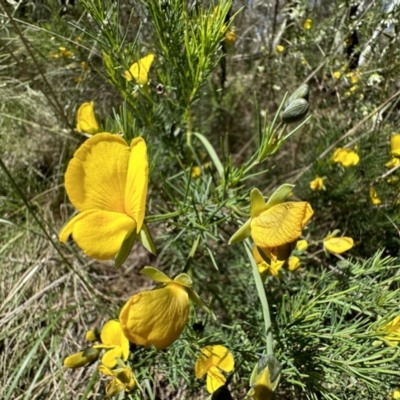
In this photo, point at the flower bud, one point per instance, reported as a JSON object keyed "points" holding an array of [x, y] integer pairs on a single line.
{"points": [[83, 358], [303, 92], [295, 111]]}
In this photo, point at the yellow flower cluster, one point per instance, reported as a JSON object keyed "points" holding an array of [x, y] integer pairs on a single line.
{"points": [[345, 157]]}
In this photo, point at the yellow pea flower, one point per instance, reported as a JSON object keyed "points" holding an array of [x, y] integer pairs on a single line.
{"points": [[392, 332], [337, 74], [139, 71], [211, 361], [307, 25], [157, 317], [230, 36], [280, 48], [265, 378], [113, 338], [394, 162], [123, 380], [346, 157], [293, 263], [64, 52], [317, 184], [275, 225], [85, 119], [373, 195], [264, 268], [81, 359], [106, 181], [338, 245], [302, 245], [92, 335], [395, 394], [395, 145], [196, 171]]}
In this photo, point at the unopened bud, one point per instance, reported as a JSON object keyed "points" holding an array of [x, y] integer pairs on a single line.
{"points": [[82, 358], [303, 92], [295, 111]]}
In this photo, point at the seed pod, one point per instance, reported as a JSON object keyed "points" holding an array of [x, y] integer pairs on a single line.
{"points": [[303, 92], [295, 111]]}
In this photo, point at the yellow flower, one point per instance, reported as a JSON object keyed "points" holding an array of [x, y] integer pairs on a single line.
{"points": [[85, 119], [395, 145], [337, 74], [392, 331], [64, 52], [338, 245], [264, 268], [92, 335], [211, 360], [196, 172], [157, 317], [307, 25], [84, 65], [123, 379], [81, 359], [106, 181], [280, 48], [317, 184], [113, 338], [394, 162], [395, 394], [373, 195], [230, 36], [354, 76], [274, 226], [265, 378], [293, 263], [302, 245], [346, 157], [140, 70]]}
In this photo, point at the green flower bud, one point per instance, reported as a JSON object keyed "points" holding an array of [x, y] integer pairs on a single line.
{"points": [[303, 92], [295, 111], [83, 358]]}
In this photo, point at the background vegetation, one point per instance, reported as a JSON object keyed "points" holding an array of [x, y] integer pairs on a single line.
{"points": [[326, 316]]}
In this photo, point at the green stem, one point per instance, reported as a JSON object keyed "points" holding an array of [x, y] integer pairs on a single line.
{"points": [[263, 298], [161, 217]]}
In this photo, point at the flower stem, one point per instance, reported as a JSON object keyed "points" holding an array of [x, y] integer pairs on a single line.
{"points": [[263, 298]]}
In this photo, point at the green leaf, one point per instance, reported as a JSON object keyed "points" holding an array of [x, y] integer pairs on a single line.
{"points": [[155, 274], [242, 233], [212, 153], [257, 203], [146, 240], [125, 249], [279, 195]]}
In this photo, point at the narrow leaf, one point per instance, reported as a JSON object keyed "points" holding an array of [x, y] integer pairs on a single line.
{"points": [[279, 195], [212, 153]]}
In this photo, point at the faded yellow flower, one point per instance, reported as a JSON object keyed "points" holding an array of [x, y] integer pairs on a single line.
{"points": [[338, 245], [211, 360], [317, 184], [139, 71], [85, 119], [346, 157], [308, 23], [123, 380], [373, 195]]}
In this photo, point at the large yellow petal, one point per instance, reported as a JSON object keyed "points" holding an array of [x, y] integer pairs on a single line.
{"points": [[280, 224], [137, 180], [156, 317], [98, 233], [111, 333], [96, 176], [215, 379]]}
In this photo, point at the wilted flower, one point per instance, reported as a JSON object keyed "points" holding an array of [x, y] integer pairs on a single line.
{"points": [[338, 245], [211, 360], [157, 317], [113, 338], [373, 195], [82, 358], [139, 71], [307, 25], [395, 145], [346, 157], [317, 184], [85, 119], [123, 380], [106, 181], [275, 225]]}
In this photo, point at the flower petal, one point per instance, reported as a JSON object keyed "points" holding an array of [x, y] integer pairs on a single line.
{"points": [[96, 176], [338, 245], [86, 120], [98, 233], [215, 379], [137, 180], [111, 333], [395, 145], [216, 355], [156, 317], [140, 69], [280, 224], [109, 358]]}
